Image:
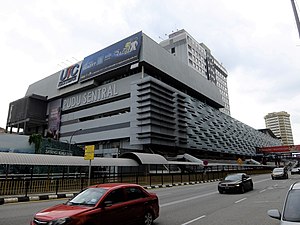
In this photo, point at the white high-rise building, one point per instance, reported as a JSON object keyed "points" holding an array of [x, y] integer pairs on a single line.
{"points": [[198, 56], [279, 123]]}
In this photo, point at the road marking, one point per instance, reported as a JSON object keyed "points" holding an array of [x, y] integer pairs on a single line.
{"points": [[259, 181], [165, 194], [262, 190], [240, 200], [204, 195], [191, 221], [188, 199]]}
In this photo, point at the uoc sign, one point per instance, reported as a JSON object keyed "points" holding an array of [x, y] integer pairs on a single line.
{"points": [[69, 75]]}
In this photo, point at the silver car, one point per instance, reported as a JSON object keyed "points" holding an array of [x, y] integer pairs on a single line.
{"points": [[290, 212], [280, 173], [295, 170]]}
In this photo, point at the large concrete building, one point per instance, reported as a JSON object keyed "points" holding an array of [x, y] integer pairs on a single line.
{"points": [[135, 96], [279, 123], [198, 56]]}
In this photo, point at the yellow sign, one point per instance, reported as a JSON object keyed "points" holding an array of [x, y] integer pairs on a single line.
{"points": [[89, 151]]}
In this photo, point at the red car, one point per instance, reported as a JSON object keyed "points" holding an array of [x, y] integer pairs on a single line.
{"points": [[103, 204]]}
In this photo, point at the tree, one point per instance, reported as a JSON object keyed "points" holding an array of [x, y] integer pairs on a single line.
{"points": [[36, 139]]}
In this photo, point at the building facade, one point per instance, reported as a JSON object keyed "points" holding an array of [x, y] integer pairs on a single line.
{"points": [[198, 56], [280, 124], [134, 96]]}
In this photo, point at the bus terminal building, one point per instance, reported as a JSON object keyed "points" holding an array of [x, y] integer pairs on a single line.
{"points": [[134, 96]]}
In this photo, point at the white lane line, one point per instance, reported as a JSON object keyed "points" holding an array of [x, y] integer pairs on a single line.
{"points": [[259, 181], [262, 190], [191, 221], [188, 199], [240, 200]]}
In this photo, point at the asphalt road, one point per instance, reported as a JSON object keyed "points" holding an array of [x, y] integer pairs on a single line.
{"points": [[193, 204]]}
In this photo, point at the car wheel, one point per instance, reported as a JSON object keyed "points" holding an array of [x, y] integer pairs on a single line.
{"points": [[242, 189], [148, 218], [251, 186]]}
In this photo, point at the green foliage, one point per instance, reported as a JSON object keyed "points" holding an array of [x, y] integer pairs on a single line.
{"points": [[36, 139]]}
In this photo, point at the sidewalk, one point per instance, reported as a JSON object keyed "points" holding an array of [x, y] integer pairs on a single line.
{"points": [[47, 196]]}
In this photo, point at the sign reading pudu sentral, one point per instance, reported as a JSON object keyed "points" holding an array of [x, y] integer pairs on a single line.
{"points": [[89, 152], [90, 96]]}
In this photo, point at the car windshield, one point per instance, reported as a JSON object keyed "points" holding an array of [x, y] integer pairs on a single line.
{"points": [[292, 205], [278, 170], [88, 197], [234, 177]]}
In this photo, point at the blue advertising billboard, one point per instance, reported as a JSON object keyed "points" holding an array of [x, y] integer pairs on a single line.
{"points": [[119, 54]]}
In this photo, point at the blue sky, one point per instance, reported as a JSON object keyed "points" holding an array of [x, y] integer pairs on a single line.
{"points": [[257, 42]]}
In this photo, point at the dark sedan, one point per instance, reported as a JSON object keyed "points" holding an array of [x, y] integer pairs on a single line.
{"points": [[238, 182], [104, 204]]}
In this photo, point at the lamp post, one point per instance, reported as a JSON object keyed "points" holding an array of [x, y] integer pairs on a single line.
{"points": [[70, 142], [296, 15]]}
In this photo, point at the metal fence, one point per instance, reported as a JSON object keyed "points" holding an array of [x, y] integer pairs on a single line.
{"points": [[25, 185]]}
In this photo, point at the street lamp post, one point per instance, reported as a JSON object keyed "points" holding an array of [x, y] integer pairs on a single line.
{"points": [[296, 15], [70, 142]]}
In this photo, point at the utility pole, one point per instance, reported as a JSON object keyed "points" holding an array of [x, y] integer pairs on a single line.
{"points": [[296, 16]]}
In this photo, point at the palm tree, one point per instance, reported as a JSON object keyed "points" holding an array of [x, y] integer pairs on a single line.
{"points": [[36, 139]]}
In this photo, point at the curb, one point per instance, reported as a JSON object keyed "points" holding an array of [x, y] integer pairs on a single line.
{"points": [[35, 198], [70, 195], [179, 184]]}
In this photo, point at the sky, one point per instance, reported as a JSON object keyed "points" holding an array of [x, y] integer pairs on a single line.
{"points": [[256, 41]]}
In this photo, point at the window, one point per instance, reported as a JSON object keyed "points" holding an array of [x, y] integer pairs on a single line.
{"points": [[116, 196], [173, 50], [134, 193], [291, 211], [89, 196]]}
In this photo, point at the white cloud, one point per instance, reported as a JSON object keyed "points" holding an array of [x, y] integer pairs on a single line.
{"points": [[255, 40]]}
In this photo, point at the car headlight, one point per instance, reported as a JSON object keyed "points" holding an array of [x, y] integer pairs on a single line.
{"points": [[60, 221], [237, 185]]}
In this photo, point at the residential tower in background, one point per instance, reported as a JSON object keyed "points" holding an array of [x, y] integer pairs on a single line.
{"points": [[279, 123]]}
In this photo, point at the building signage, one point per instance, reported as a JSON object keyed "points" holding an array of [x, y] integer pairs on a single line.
{"points": [[54, 119], [284, 148], [119, 54], [69, 75], [90, 96]]}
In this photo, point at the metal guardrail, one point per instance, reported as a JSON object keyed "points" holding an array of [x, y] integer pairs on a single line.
{"points": [[25, 185]]}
